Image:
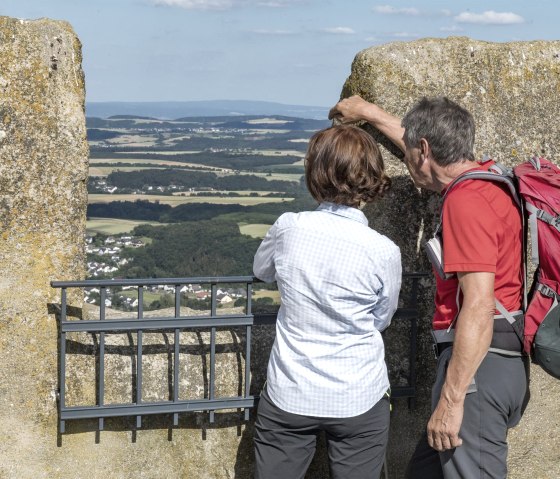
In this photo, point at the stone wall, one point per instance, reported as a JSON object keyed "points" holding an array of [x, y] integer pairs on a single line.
{"points": [[512, 91], [43, 198]]}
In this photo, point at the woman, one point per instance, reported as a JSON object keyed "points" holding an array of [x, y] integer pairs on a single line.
{"points": [[339, 282]]}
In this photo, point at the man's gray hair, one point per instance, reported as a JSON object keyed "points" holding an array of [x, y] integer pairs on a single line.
{"points": [[448, 128]]}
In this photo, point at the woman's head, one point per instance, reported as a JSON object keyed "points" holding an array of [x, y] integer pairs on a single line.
{"points": [[343, 165]]}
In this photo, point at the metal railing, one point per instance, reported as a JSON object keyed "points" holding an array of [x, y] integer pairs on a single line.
{"points": [[175, 324]]}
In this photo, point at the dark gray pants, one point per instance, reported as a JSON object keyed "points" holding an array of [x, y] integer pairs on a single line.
{"points": [[285, 443], [496, 403]]}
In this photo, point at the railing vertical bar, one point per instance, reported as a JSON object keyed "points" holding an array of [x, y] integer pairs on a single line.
{"points": [[176, 376], [101, 389], [139, 375], [176, 353], [140, 302], [62, 378], [248, 349], [177, 301], [102, 298], [139, 334], [213, 309], [249, 298]]}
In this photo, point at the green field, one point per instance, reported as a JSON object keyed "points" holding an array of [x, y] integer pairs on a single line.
{"points": [[254, 230], [180, 200], [113, 226]]}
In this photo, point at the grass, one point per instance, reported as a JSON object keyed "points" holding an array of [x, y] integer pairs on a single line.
{"points": [[180, 200], [254, 230], [112, 226], [266, 293], [149, 296]]}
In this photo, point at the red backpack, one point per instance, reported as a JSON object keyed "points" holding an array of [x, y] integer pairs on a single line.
{"points": [[539, 188], [535, 186]]}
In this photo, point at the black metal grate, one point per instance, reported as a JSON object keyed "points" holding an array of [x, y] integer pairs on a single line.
{"points": [[176, 324]]}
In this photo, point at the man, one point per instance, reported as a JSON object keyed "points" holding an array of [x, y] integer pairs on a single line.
{"points": [[479, 393]]}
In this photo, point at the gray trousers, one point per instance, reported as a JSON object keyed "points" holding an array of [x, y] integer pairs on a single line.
{"points": [[285, 443], [494, 404]]}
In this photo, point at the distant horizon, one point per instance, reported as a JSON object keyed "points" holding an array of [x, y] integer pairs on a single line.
{"points": [[172, 110], [211, 100]]}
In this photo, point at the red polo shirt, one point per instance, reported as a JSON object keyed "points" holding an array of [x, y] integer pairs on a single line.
{"points": [[482, 232]]}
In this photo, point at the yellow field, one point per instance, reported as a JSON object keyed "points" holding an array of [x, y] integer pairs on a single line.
{"points": [[266, 293], [112, 226], [256, 230], [180, 200]]}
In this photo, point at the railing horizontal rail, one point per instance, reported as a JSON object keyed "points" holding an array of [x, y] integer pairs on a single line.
{"points": [[153, 281], [162, 407], [154, 324]]}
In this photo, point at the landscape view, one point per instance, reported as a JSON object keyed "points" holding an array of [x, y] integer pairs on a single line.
{"points": [[189, 197]]}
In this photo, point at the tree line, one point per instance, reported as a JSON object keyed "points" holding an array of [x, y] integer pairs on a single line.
{"points": [[265, 213], [197, 179]]}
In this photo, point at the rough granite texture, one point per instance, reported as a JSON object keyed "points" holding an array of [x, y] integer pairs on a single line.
{"points": [[511, 89]]}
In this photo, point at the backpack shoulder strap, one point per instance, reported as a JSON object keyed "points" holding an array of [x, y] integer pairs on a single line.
{"points": [[500, 174], [497, 173]]}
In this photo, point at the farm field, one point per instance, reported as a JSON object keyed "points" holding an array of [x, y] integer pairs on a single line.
{"points": [[180, 200], [148, 162], [112, 226], [255, 230], [267, 293]]}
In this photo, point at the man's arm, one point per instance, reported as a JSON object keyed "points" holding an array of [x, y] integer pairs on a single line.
{"points": [[473, 334], [356, 108]]}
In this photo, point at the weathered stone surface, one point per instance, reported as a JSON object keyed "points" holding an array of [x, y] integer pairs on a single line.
{"points": [[511, 89]]}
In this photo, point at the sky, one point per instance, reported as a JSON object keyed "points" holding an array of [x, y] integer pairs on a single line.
{"points": [[287, 51]]}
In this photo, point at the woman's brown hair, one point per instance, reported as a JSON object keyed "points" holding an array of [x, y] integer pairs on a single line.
{"points": [[343, 165]]}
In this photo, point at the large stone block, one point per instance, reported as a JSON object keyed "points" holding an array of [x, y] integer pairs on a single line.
{"points": [[43, 199], [512, 90]]}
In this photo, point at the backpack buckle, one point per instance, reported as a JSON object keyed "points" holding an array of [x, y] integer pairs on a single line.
{"points": [[546, 290]]}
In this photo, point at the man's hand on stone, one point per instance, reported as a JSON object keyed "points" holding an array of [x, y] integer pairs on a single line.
{"points": [[444, 425], [350, 110]]}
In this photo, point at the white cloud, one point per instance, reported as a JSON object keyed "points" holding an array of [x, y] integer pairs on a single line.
{"points": [[198, 4], [389, 10], [339, 30], [490, 17], [404, 35], [446, 13], [273, 32], [222, 4], [452, 28]]}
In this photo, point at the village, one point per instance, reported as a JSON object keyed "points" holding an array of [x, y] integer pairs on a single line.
{"points": [[104, 259]]}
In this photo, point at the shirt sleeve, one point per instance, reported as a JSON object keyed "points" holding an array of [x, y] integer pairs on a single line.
{"points": [[470, 233], [263, 264], [388, 295]]}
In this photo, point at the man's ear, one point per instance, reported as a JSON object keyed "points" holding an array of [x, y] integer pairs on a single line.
{"points": [[424, 149]]}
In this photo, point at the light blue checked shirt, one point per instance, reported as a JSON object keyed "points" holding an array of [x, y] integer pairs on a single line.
{"points": [[339, 284]]}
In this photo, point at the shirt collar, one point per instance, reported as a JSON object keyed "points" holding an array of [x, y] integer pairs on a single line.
{"points": [[343, 210]]}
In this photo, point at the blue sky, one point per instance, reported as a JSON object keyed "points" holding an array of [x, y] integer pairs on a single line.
{"points": [[287, 51]]}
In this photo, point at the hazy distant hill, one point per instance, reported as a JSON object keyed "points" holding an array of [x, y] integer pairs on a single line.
{"points": [[178, 109]]}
